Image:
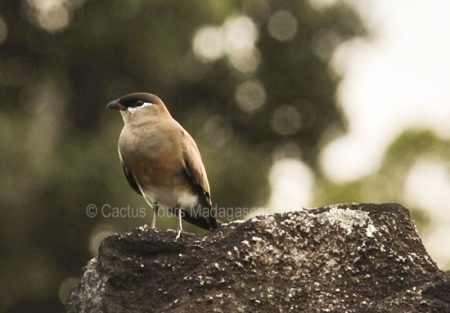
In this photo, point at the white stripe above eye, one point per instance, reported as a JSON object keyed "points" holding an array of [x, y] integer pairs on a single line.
{"points": [[144, 105]]}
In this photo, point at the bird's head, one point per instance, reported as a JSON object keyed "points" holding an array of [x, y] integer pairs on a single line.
{"points": [[138, 104]]}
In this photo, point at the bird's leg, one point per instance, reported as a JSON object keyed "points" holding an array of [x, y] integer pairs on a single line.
{"points": [[155, 213], [180, 225]]}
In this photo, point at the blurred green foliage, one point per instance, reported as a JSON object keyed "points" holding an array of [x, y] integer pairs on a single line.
{"points": [[62, 61], [388, 182]]}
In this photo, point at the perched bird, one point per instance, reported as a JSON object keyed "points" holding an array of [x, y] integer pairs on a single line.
{"points": [[161, 161]]}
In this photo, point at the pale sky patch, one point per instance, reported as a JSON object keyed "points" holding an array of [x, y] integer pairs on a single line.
{"points": [[399, 79]]}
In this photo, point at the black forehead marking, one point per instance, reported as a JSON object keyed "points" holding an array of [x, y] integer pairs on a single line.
{"points": [[132, 99]]}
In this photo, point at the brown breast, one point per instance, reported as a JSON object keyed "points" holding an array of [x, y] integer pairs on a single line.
{"points": [[154, 155]]}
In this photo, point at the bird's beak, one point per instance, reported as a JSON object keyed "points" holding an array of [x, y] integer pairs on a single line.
{"points": [[115, 104]]}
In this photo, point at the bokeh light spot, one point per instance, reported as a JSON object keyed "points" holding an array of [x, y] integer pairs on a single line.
{"points": [[66, 287], [250, 96], [54, 20], [292, 183], [100, 232], [217, 131], [246, 61], [240, 33], [51, 15], [286, 120], [325, 42], [235, 39], [283, 26], [208, 44], [427, 186]]}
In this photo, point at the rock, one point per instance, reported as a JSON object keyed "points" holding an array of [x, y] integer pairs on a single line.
{"points": [[342, 258]]}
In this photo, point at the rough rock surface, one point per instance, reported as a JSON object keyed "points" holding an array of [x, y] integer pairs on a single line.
{"points": [[342, 258]]}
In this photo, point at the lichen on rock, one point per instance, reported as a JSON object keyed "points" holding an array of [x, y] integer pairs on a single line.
{"points": [[347, 219]]}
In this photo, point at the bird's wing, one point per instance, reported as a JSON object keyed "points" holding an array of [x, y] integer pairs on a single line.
{"points": [[131, 179], [195, 171], [196, 175]]}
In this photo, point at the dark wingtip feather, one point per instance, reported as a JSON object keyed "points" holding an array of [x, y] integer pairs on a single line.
{"points": [[208, 223]]}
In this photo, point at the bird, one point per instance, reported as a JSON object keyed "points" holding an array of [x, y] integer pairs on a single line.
{"points": [[161, 161]]}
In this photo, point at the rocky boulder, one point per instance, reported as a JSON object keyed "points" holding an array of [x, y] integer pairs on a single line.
{"points": [[341, 258]]}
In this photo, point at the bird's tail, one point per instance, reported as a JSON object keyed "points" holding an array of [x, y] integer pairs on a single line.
{"points": [[202, 218]]}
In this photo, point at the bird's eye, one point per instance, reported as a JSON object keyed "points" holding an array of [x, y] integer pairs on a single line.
{"points": [[139, 102]]}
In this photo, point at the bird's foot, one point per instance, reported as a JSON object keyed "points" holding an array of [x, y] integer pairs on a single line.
{"points": [[178, 234], [180, 224], [155, 213]]}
